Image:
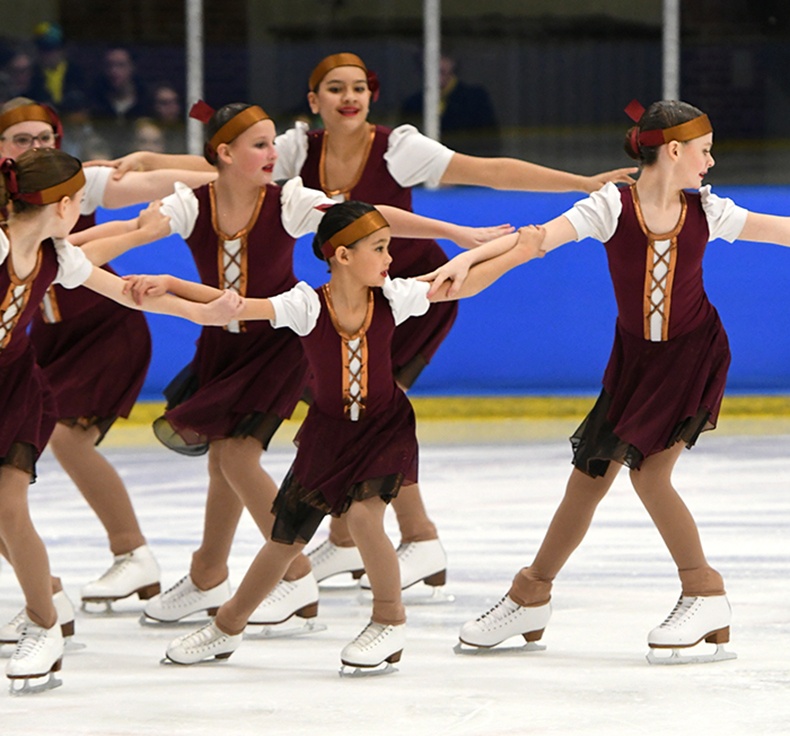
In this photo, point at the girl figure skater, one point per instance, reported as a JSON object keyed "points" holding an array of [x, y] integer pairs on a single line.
{"points": [[42, 191], [241, 230], [665, 378], [95, 355], [350, 158], [357, 447]]}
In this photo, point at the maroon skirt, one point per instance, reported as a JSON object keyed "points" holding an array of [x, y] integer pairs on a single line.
{"points": [[28, 411], [655, 394], [95, 362], [238, 385], [340, 461]]}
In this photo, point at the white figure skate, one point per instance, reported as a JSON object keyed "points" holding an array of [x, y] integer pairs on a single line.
{"points": [[11, 632], [329, 560], [38, 654], [692, 620], [375, 646], [134, 572], [185, 599], [420, 562], [288, 598], [504, 620], [206, 643]]}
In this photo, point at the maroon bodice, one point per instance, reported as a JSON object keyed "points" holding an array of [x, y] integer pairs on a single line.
{"points": [[667, 266], [328, 356], [25, 295]]}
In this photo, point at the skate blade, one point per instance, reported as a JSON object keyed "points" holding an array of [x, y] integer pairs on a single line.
{"points": [[69, 645], [720, 655], [216, 659], [23, 686], [463, 648], [414, 596], [352, 671], [282, 631], [187, 622]]}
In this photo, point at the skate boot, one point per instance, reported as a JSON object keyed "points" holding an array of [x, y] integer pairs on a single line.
{"points": [[420, 562], [693, 619], [134, 572], [376, 645], [208, 642], [185, 599], [504, 620], [10, 632], [289, 598], [38, 654], [328, 560]]}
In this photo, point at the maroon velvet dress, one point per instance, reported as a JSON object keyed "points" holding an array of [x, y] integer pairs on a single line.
{"points": [[341, 459], [94, 352], [247, 377], [27, 405], [415, 340], [656, 391]]}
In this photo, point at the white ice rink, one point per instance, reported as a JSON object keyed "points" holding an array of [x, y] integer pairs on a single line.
{"points": [[492, 502]]}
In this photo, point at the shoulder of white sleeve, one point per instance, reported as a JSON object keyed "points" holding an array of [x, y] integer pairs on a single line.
{"points": [[301, 207], [291, 151], [74, 268], [596, 216], [413, 158], [96, 178], [182, 208], [407, 297], [726, 219], [298, 309]]}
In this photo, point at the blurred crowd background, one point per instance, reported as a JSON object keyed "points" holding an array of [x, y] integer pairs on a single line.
{"points": [[541, 80]]}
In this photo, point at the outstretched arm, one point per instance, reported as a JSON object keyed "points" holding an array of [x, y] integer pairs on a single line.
{"points": [[766, 229], [405, 224], [107, 241], [515, 174], [219, 311], [145, 186], [150, 161]]}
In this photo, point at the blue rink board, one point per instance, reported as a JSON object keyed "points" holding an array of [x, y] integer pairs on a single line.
{"points": [[547, 327]]}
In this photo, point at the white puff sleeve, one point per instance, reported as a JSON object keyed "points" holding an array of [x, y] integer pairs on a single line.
{"points": [[96, 178], [407, 297], [291, 152], [301, 211], [725, 218], [74, 268], [297, 309], [413, 158], [182, 208], [596, 216]]}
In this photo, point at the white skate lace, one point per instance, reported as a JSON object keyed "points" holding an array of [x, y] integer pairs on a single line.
{"points": [[204, 638], [116, 569], [325, 551], [370, 635], [682, 607], [405, 550], [17, 622], [281, 591], [181, 589], [500, 611], [33, 638]]}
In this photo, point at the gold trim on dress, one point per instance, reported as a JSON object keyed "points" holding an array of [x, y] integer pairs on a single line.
{"points": [[49, 306], [17, 295], [653, 259], [348, 353], [345, 191], [239, 285]]}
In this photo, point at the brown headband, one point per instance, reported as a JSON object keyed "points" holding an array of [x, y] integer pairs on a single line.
{"points": [[237, 125], [24, 114], [50, 195], [694, 128], [332, 62], [369, 223]]}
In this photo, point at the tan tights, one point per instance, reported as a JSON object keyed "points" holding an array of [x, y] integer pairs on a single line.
{"points": [[413, 521], [236, 481], [23, 547], [366, 521], [99, 482], [653, 484]]}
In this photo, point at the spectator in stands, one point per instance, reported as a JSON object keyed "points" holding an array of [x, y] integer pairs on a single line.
{"points": [[57, 80]]}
